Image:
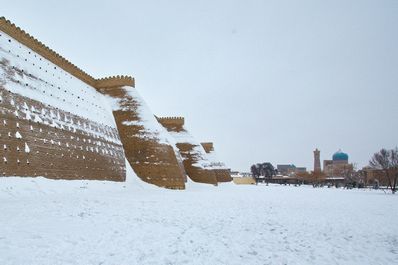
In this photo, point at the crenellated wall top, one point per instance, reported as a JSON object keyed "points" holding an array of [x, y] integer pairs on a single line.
{"points": [[171, 121], [35, 45], [208, 146]]}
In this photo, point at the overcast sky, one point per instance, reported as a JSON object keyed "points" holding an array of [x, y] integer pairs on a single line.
{"points": [[264, 80]]}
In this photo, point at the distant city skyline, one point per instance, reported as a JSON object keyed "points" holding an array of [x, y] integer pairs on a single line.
{"points": [[266, 81]]}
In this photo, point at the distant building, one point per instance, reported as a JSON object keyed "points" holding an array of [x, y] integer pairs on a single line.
{"points": [[317, 161], [374, 176], [290, 169], [301, 170], [242, 178], [338, 166], [285, 170]]}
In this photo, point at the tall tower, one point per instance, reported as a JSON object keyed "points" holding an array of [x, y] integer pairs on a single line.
{"points": [[317, 161]]}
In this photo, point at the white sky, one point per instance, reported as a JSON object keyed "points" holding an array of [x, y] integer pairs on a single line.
{"points": [[264, 80]]}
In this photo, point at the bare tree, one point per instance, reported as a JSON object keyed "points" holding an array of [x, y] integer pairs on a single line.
{"points": [[387, 161], [317, 178], [263, 171], [254, 170], [303, 177], [352, 177]]}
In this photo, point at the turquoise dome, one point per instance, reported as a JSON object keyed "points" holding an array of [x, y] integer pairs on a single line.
{"points": [[340, 156]]}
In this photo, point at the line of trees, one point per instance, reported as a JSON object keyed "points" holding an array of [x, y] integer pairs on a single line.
{"points": [[263, 171]]}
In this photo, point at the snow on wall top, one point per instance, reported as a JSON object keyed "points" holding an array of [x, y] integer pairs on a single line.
{"points": [[184, 137], [153, 129], [35, 45], [214, 161], [212, 156], [41, 80], [24, 38], [114, 81]]}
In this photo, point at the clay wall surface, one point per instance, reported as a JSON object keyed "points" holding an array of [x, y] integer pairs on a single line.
{"points": [[153, 160], [38, 74], [51, 123], [195, 164], [244, 181], [208, 146], [60, 122], [51, 148], [194, 171], [223, 174], [174, 124]]}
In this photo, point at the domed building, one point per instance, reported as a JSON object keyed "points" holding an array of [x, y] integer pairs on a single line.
{"points": [[340, 157], [338, 166]]}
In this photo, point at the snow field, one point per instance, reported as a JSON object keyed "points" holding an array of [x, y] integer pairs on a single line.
{"points": [[92, 222]]}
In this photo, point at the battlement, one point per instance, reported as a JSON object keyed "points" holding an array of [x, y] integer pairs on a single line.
{"points": [[208, 146], [176, 121], [37, 46], [114, 81], [21, 36]]}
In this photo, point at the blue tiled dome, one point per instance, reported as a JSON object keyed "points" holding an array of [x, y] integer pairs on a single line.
{"points": [[340, 156]]}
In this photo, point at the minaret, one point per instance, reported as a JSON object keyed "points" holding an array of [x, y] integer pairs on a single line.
{"points": [[317, 161]]}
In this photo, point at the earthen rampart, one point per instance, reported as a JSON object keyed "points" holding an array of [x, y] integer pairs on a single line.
{"points": [[172, 123], [114, 81], [208, 146], [222, 174], [190, 151], [57, 147], [154, 162]]}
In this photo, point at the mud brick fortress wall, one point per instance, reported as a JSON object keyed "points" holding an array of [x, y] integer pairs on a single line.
{"points": [[222, 174], [172, 124], [51, 123], [39, 140], [57, 121], [208, 146], [195, 164], [153, 161]]}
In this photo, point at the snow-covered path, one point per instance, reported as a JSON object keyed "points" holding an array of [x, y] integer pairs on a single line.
{"points": [[78, 222]]}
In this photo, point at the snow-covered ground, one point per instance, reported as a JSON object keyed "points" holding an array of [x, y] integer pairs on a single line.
{"points": [[91, 222]]}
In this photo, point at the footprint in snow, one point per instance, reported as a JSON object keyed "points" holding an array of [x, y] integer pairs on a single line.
{"points": [[254, 253]]}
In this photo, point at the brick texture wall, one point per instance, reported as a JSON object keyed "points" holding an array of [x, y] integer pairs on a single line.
{"points": [[153, 161], [190, 157]]}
